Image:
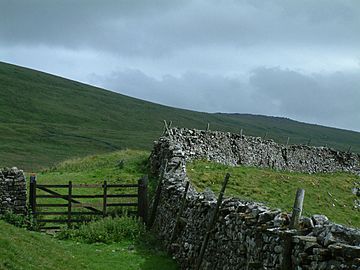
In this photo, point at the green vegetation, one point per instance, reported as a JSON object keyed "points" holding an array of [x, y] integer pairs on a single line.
{"points": [[45, 119], [125, 166], [26, 250], [110, 243], [21, 221], [107, 230], [328, 194], [121, 167]]}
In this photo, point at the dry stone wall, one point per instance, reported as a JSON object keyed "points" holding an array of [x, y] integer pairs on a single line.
{"points": [[233, 149], [248, 235], [12, 191]]}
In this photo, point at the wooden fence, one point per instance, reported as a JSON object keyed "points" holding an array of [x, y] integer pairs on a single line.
{"points": [[43, 197]]}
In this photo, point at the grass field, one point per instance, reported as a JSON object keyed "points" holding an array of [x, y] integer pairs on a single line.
{"points": [[26, 250], [328, 194], [21, 249], [45, 119]]}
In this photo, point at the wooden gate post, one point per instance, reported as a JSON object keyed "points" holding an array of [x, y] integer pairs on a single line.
{"points": [[32, 194], [143, 206], [69, 204], [105, 198]]}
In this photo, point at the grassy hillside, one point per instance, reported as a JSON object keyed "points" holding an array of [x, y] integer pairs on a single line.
{"points": [[45, 119], [328, 194]]}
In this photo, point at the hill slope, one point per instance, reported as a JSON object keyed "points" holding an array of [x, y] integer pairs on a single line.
{"points": [[45, 119]]}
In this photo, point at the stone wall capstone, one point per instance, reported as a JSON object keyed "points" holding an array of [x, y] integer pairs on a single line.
{"points": [[248, 235], [12, 191]]}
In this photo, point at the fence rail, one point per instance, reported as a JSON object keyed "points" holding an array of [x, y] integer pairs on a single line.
{"points": [[70, 209]]}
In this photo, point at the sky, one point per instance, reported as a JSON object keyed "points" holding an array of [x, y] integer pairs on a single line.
{"points": [[298, 59]]}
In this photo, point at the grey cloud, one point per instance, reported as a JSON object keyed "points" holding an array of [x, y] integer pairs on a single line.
{"points": [[330, 99], [158, 28], [200, 54], [191, 90]]}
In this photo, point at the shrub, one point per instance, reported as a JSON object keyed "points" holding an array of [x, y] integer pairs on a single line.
{"points": [[106, 230], [19, 220]]}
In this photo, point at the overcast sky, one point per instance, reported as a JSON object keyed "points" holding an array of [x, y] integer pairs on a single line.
{"points": [[297, 59]]}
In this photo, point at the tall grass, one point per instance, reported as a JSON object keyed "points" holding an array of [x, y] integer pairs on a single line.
{"points": [[106, 230]]}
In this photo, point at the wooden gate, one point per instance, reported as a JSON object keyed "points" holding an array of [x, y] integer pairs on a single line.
{"points": [[47, 200]]}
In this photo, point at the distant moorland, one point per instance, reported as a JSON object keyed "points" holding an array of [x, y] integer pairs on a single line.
{"points": [[45, 119]]}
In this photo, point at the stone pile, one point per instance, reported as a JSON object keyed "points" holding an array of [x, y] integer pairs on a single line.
{"points": [[247, 235], [12, 191]]}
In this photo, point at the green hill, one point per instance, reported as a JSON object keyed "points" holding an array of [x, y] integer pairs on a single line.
{"points": [[45, 119]]}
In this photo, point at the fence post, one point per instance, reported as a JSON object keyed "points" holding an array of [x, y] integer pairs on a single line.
{"points": [[69, 204], [32, 195], [167, 129], [105, 198], [212, 222], [297, 210], [143, 199]]}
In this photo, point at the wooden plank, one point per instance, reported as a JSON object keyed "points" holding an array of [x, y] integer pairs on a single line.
{"points": [[122, 185], [87, 185], [51, 186], [122, 204], [84, 205], [96, 196], [100, 204], [108, 196], [66, 213], [63, 220], [60, 196], [72, 200], [52, 205]]}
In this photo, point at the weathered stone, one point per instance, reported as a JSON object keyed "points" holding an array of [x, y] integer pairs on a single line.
{"points": [[320, 219], [248, 235], [12, 191]]}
